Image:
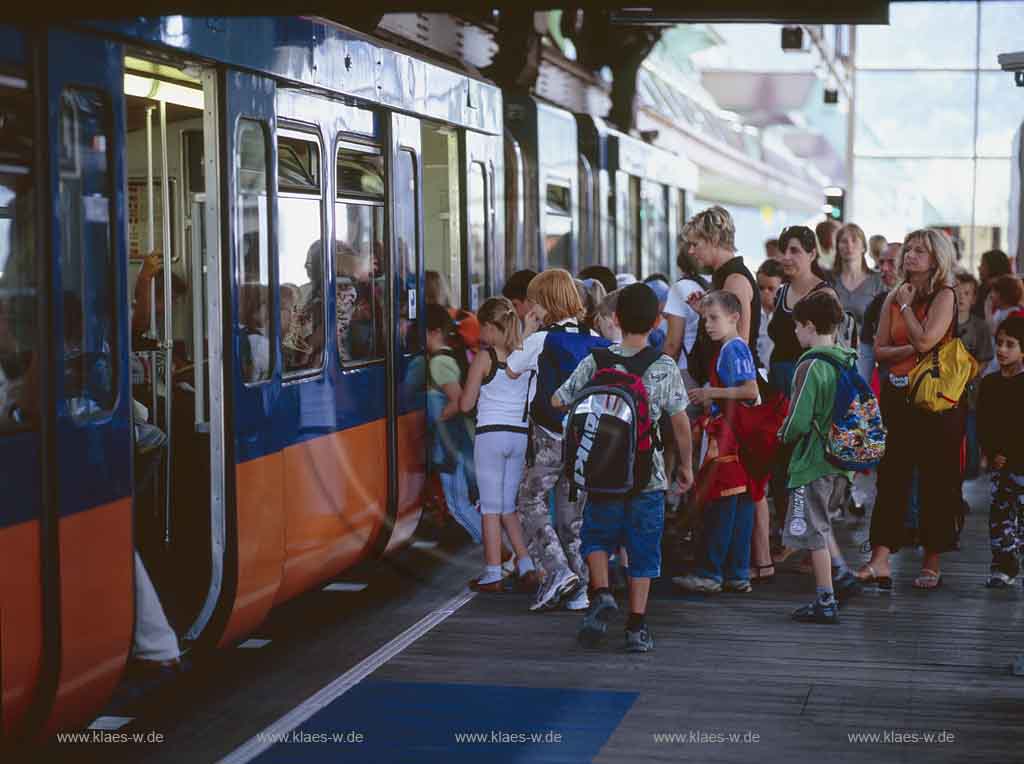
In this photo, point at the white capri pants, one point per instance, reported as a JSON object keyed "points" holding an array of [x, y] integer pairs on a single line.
{"points": [[500, 457]]}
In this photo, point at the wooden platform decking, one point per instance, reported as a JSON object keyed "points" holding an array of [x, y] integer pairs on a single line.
{"points": [[908, 663]]}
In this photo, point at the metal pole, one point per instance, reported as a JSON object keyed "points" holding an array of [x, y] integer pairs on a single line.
{"points": [[150, 237], [168, 333]]}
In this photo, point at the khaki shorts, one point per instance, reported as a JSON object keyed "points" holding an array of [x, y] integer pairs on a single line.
{"points": [[812, 508]]}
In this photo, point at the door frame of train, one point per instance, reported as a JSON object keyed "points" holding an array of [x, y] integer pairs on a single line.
{"points": [[406, 397], [486, 151], [217, 318], [87, 534]]}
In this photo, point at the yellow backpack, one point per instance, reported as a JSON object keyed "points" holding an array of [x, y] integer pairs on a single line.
{"points": [[938, 381]]}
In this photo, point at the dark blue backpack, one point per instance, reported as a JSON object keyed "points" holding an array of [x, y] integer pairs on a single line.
{"points": [[856, 438], [564, 347]]}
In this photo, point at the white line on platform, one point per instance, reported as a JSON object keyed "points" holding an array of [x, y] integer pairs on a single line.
{"points": [[423, 544], [254, 644], [345, 586], [110, 723], [254, 746]]}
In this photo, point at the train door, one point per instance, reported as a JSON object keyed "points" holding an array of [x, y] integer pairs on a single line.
{"points": [[407, 437], [168, 127], [22, 362], [254, 520], [92, 551], [442, 216], [484, 262]]}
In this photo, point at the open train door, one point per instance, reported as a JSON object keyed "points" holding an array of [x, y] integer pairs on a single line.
{"points": [[407, 436], [86, 530]]}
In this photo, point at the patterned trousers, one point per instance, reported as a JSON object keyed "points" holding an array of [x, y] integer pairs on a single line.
{"points": [[1006, 521], [552, 548]]}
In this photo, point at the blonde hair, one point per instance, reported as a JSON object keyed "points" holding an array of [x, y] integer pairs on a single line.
{"points": [[555, 291], [859, 234], [435, 289], [715, 226], [940, 247], [500, 312], [591, 293]]}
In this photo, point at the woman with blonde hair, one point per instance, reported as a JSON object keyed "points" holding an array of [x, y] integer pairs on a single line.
{"points": [[555, 340], [917, 317]]}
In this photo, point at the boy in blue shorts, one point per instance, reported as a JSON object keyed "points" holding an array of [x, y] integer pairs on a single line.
{"points": [[634, 520]]}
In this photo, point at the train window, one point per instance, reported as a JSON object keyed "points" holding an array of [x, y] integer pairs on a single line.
{"points": [[359, 248], [252, 243], [476, 225], [87, 269], [360, 172], [18, 337], [655, 234], [558, 225], [300, 254], [407, 246], [298, 165]]}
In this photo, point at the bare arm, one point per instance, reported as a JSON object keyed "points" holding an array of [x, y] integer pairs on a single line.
{"points": [[674, 340], [745, 392], [479, 369], [684, 470], [885, 351], [926, 336], [454, 391], [739, 286]]}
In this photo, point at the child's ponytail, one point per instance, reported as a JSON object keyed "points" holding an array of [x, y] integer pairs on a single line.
{"points": [[500, 312]]}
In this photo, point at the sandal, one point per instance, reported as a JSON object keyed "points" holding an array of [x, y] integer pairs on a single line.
{"points": [[929, 579], [884, 583], [756, 576]]}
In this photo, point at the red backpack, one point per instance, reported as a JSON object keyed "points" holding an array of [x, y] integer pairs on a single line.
{"points": [[610, 439]]}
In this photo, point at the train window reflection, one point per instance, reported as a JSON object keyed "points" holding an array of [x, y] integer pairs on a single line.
{"points": [[252, 233], [558, 226], [407, 245], [359, 284], [476, 221], [18, 337], [86, 258], [360, 173], [298, 165], [300, 255]]}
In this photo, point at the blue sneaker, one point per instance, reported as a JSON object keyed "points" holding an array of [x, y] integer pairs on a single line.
{"points": [[818, 612], [595, 623]]}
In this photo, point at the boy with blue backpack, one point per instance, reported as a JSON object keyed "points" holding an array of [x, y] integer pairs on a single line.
{"points": [[835, 424], [615, 398], [554, 342]]}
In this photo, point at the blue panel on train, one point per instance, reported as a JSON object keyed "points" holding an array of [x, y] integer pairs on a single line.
{"points": [[413, 722]]}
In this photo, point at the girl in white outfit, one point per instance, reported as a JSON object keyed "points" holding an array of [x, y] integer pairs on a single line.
{"points": [[499, 449]]}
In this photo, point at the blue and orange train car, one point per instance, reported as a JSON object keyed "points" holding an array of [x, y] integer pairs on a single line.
{"points": [[296, 180]]}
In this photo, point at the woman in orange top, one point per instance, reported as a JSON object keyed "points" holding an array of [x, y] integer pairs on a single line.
{"points": [[916, 317]]}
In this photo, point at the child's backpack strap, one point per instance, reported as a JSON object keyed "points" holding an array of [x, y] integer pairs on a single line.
{"points": [[495, 366], [634, 364]]}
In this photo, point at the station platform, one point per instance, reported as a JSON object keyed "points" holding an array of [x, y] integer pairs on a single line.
{"points": [[905, 676]]}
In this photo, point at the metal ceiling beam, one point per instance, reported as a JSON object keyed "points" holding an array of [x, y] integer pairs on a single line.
{"points": [[651, 12]]}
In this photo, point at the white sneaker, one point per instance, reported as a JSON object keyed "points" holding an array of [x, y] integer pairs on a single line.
{"points": [[579, 601], [557, 586]]}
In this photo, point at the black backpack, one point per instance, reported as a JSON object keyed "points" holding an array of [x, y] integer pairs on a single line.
{"points": [[610, 440]]}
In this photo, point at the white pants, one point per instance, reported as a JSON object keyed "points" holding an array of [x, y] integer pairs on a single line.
{"points": [[500, 458], [154, 639]]}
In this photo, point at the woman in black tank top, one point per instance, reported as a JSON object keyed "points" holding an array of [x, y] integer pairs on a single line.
{"points": [[800, 263]]}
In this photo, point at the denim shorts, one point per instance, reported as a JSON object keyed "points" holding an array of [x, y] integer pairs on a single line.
{"points": [[635, 521]]}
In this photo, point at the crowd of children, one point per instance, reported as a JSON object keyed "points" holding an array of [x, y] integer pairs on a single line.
{"points": [[587, 408]]}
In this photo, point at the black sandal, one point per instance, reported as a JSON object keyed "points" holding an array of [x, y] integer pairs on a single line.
{"points": [[758, 578]]}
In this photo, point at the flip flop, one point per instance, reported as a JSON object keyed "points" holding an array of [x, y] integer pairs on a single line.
{"points": [[884, 583], [929, 579]]}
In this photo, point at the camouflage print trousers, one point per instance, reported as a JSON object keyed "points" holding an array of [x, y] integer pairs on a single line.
{"points": [[551, 548], [1006, 521]]}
